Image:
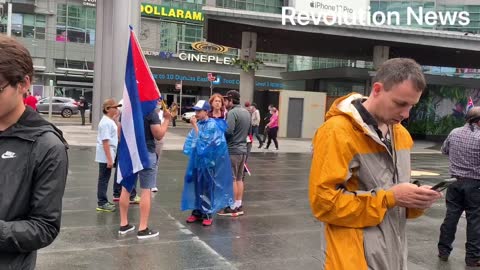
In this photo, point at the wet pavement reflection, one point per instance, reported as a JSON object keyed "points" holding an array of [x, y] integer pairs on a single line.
{"points": [[276, 232]]}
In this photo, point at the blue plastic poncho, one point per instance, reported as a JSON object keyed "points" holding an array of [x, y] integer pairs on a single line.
{"points": [[208, 183]]}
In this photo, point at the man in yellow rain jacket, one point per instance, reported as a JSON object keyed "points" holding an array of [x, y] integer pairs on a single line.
{"points": [[359, 179]]}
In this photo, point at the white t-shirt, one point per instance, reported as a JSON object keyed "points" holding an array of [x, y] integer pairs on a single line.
{"points": [[160, 115], [107, 130]]}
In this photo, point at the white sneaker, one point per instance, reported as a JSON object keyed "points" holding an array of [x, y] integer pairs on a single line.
{"points": [[155, 189]]}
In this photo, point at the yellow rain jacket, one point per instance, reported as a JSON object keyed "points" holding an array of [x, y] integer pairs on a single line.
{"points": [[350, 173]]}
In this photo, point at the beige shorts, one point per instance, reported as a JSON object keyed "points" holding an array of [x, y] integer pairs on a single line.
{"points": [[238, 163]]}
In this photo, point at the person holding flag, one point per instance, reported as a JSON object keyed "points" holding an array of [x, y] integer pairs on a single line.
{"points": [[208, 183], [141, 126]]}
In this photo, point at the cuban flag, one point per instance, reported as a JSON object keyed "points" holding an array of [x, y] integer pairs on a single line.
{"points": [[469, 104], [140, 96]]}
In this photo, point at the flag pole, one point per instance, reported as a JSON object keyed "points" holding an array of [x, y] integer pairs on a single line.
{"points": [[211, 88], [181, 92]]}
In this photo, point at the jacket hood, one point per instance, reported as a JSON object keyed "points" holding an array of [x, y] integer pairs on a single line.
{"points": [[343, 107], [31, 125]]}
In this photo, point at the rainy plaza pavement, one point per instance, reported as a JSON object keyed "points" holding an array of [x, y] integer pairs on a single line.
{"points": [[276, 232]]}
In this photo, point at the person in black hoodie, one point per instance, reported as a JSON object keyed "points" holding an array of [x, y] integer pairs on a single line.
{"points": [[33, 166]]}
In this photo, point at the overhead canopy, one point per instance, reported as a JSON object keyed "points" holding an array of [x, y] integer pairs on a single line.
{"points": [[428, 47], [356, 74]]}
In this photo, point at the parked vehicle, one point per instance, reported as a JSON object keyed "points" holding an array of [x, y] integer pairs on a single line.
{"points": [[186, 116], [64, 106]]}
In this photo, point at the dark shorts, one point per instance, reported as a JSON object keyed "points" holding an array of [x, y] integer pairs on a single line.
{"points": [[238, 163]]}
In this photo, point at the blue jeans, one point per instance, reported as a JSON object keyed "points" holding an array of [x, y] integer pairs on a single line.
{"points": [[255, 133], [104, 174]]}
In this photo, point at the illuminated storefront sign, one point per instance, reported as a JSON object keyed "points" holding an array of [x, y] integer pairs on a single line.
{"points": [[208, 47], [203, 58], [161, 54], [192, 78], [156, 11], [213, 51]]}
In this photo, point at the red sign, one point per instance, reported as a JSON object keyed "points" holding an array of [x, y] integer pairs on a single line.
{"points": [[211, 77]]}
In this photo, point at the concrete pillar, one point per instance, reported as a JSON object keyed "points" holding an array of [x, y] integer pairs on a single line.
{"points": [[380, 55], [247, 79], [111, 45]]}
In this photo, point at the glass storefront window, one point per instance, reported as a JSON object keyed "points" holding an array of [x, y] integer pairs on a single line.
{"points": [[3, 25], [40, 23], [173, 32], [269, 6], [25, 25], [17, 25], [432, 5], [184, 4], [75, 24]]}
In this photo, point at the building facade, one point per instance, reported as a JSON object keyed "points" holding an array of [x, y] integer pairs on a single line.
{"points": [[171, 36], [60, 34]]}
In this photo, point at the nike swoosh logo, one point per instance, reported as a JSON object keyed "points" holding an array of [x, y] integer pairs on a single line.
{"points": [[8, 155]]}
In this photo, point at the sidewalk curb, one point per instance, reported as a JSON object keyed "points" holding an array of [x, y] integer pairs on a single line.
{"points": [[77, 135]]}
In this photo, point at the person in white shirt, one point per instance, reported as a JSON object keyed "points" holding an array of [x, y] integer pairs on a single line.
{"points": [[106, 150], [256, 123]]}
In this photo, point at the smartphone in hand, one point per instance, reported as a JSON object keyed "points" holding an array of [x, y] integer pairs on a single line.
{"points": [[444, 184]]}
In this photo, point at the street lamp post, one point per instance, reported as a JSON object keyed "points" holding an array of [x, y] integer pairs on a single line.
{"points": [[211, 88], [179, 86], [51, 94], [211, 78]]}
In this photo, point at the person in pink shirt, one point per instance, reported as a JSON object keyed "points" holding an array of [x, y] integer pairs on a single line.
{"points": [[31, 101], [273, 128], [62, 37]]}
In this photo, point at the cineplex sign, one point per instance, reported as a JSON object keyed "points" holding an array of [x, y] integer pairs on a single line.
{"points": [[215, 54]]}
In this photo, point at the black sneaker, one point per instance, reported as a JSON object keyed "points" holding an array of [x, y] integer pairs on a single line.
{"points": [[147, 233], [227, 211], [239, 210], [125, 229], [443, 256]]}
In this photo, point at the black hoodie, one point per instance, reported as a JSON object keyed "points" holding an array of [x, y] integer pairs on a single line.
{"points": [[33, 172]]}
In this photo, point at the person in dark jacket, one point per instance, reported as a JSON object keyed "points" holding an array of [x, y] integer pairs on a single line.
{"points": [[33, 166], [463, 149], [82, 107]]}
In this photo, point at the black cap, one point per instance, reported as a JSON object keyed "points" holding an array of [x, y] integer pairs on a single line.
{"points": [[233, 95]]}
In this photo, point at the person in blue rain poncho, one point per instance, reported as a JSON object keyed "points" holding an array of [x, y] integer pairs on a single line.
{"points": [[208, 179]]}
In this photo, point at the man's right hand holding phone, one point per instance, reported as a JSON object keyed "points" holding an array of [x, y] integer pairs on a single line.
{"points": [[444, 184], [412, 196]]}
